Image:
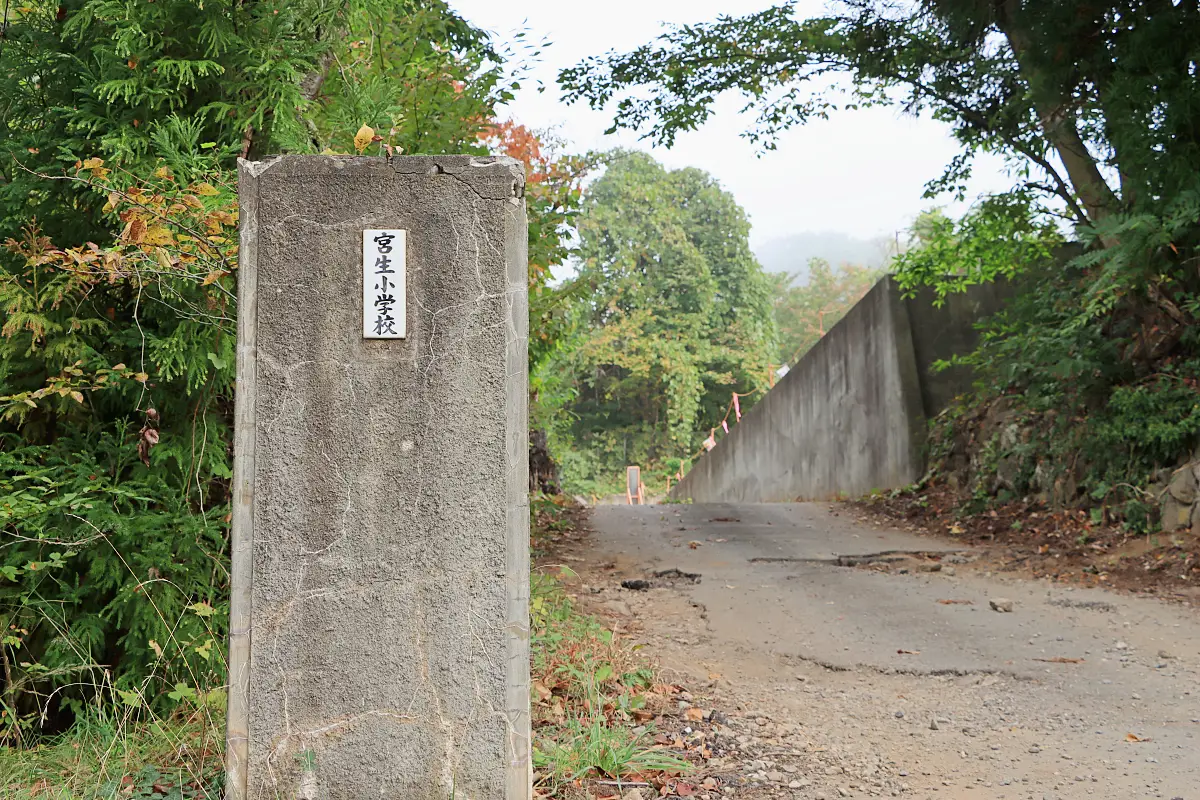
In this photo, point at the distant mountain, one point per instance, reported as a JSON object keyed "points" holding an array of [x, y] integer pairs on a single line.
{"points": [[791, 254]]}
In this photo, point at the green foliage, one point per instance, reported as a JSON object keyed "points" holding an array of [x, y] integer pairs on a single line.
{"points": [[194, 83], [1145, 426], [117, 352], [673, 315], [1001, 237], [1024, 80], [1092, 107], [117, 364]]}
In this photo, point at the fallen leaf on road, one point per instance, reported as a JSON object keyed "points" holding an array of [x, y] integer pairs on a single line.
{"points": [[693, 714], [957, 602], [724, 519], [1133, 737], [693, 544], [956, 529], [909, 652], [1060, 660]]}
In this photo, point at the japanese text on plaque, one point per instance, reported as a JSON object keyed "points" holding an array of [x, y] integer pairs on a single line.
{"points": [[384, 284]]}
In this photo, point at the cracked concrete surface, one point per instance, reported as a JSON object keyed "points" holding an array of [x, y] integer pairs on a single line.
{"points": [[886, 690], [389, 524]]}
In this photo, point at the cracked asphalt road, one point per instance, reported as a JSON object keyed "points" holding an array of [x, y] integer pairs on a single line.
{"points": [[900, 693]]}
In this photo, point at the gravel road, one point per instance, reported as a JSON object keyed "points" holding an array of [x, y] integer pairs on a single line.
{"points": [[858, 660]]}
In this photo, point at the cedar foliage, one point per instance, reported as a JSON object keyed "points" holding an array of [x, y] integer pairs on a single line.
{"points": [[119, 125]]}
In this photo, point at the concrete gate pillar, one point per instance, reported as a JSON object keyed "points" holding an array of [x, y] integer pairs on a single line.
{"points": [[379, 631]]}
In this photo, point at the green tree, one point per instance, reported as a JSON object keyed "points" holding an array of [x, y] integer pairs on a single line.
{"points": [[675, 316], [1092, 105], [119, 123], [195, 83], [1102, 85]]}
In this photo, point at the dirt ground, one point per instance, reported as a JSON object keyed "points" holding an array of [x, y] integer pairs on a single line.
{"points": [[777, 716], [1066, 546]]}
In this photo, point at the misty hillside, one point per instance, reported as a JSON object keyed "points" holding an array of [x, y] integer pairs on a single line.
{"points": [[792, 253]]}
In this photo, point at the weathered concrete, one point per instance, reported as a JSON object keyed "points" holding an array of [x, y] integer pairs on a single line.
{"points": [[845, 420], [942, 331], [851, 416], [381, 487]]}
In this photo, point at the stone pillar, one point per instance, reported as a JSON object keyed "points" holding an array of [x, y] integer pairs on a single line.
{"points": [[379, 631]]}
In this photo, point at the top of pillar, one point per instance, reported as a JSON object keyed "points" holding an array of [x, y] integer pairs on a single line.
{"points": [[479, 172]]}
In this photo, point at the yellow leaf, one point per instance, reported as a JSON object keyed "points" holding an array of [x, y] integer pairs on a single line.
{"points": [[363, 138], [164, 173], [202, 609], [141, 377], [158, 236], [94, 165], [206, 190], [192, 200], [118, 367], [157, 648], [213, 277], [78, 396]]}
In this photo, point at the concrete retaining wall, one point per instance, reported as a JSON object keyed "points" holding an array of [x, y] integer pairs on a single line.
{"points": [[851, 416]]}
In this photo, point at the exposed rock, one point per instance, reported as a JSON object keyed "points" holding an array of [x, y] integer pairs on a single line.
{"points": [[618, 607], [1007, 470], [1183, 485], [1001, 604], [1175, 514]]}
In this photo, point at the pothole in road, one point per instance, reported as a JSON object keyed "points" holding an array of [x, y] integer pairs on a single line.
{"points": [[662, 579]]}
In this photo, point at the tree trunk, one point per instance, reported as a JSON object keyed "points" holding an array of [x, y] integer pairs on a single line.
{"points": [[1057, 121]]}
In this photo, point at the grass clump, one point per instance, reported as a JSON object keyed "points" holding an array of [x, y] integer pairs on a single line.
{"points": [[109, 755], [593, 698]]}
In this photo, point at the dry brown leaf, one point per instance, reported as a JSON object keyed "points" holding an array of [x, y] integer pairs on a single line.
{"points": [[693, 544], [694, 714], [957, 602], [1060, 660], [1133, 737], [909, 652]]}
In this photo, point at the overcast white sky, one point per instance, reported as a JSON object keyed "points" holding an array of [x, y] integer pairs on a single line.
{"points": [[860, 172]]}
